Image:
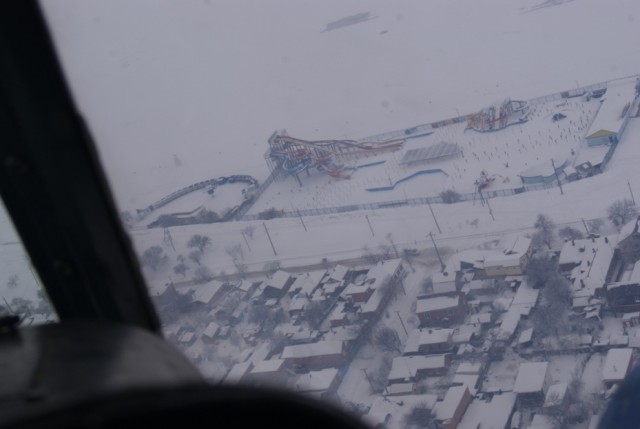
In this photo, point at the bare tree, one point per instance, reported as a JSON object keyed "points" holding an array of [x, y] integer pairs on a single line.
{"points": [[557, 289], [12, 283], [544, 231], [195, 256], [540, 270], [154, 258], [378, 378], [386, 339], [569, 233], [200, 242], [235, 251], [595, 225], [315, 312], [621, 212]]}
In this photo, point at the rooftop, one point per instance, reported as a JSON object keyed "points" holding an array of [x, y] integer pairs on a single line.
{"points": [[446, 409], [437, 303], [616, 364], [321, 348], [531, 377], [406, 367], [609, 117], [492, 414], [316, 381], [278, 280], [204, 293]]}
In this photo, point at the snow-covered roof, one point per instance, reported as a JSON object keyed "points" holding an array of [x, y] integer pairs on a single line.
{"points": [[531, 377], [373, 303], [509, 323], [238, 372], [493, 414], [469, 368], [609, 118], [395, 409], [525, 336], [555, 394], [544, 168], [298, 303], [204, 293], [593, 155], [278, 280], [526, 295], [443, 277], [406, 367], [338, 273], [591, 274], [435, 336], [446, 409], [629, 229], [354, 289], [321, 348], [464, 333], [469, 380], [480, 319], [316, 381], [437, 303], [211, 330], [382, 270], [267, 366], [307, 282], [616, 364]]}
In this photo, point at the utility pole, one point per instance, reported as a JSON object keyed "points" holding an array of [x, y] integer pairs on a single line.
{"points": [[631, 192], [402, 323], [490, 211], [370, 227], [269, 237], [245, 240], [168, 239], [301, 221], [585, 226], [434, 217], [437, 252], [555, 172]]}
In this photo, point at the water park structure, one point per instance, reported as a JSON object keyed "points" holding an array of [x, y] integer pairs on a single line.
{"points": [[288, 156], [499, 116]]}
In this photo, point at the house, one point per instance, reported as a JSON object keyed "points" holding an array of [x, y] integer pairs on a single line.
{"points": [[357, 293], [389, 413], [209, 292], [613, 115], [339, 316], [469, 368], [441, 310], [526, 337], [449, 412], [277, 285], [318, 382], [623, 296], [444, 283], [616, 366], [319, 355], [495, 413], [384, 278], [269, 373], [210, 333], [532, 382], [429, 341], [512, 260], [239, 373], [414, 368], [305, 284], [476, 289], [629, 240], [297, 305]]}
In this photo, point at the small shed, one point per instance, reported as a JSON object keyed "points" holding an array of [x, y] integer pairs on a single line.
{"points": [[617, 365]]}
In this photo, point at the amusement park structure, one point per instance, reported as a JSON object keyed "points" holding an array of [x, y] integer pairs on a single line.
{"points": [[288, 156], [499, 116]]}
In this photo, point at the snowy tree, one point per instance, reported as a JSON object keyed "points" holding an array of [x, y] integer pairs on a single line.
{"points": [[181, 268], [235, 251], [595, 225], [379, 377], [315, 312], [202, 274], [557, 289], [154, 258], [568, 233], [195, 256], [420, 417], [386, 339], [544, 232], [199, 242], [621, 212], [540, 270]]}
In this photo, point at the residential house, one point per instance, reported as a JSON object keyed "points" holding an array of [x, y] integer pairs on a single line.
{"points": [[449, 411], [389, 414], [441, 310], [613, 115], [210, 333], [557, 400], [495, 413], [278, 284], [512, 260], [319, 355], [239, 373], [414, 368], [532, 382], [617, 365], [429, 341], [318, 383], [444, 283], [272, 372]]}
